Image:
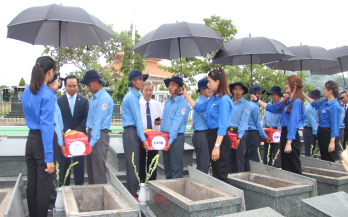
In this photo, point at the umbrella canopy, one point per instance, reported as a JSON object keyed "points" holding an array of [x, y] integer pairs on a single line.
{"points": [[306, 58], [177, 40], [252, 50], [341, 54], [58, 25]]}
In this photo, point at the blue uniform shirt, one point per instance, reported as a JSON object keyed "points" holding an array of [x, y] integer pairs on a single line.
{"points": [[292, 121], [199, 119], [329, 115], [99, 114], [254, 122], [174, 119], [343, 115], [271, 119], [240, 116], [311, 119], [58, 121], [39, 115], [218, 110], [131, 115]]}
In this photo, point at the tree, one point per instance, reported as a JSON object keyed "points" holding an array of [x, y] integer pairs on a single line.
{"points": [[131, 60], [4, 87], [162, 88], [22, 82]]}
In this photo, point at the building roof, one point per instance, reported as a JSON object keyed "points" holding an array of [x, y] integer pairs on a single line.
{"points": [[151, 67]]}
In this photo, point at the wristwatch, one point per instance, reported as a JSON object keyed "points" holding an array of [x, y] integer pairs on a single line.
{"points": [[288, 143], [217, 145]]}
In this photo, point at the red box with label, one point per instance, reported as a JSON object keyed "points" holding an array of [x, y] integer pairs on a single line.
{"points": [[233, 138], [156, 140], [273, 134], [76, 144]]}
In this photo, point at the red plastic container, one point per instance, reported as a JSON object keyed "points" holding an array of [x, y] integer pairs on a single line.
{"points": [[76, 144], [233, 138], [156, 140], [273, 134]]}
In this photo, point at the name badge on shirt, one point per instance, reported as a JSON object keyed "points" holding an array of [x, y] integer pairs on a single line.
{"points": [[247, 110], [323, 111], [104, 106], [213, 105], [183, 111]]}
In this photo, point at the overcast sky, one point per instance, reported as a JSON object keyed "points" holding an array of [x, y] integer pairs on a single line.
{"points": [[292, 22]]}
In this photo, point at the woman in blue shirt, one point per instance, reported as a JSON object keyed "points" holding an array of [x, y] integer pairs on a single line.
{"points": [[218, 110], [38, 105], [293, 115], [329, 120]]}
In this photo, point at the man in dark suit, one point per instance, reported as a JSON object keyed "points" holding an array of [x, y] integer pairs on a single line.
{"points": [[344, 104], [74, 108]]}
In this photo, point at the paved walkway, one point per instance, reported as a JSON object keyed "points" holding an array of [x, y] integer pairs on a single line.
{"points": [[6, 130]]}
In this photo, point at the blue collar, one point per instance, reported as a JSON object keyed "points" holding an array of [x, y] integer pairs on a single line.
{"points": [[136, 93], [332, 101], [100, 92], [176, 99], [201, 96], [241, 100]]}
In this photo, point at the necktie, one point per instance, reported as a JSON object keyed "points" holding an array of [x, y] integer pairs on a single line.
{"points": [[148, 116], [72, 105]]}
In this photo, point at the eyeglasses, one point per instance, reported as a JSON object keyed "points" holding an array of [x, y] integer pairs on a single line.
{"points": [[71, 86]]}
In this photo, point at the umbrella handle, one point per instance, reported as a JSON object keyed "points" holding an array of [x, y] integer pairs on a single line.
{"points": [[178, 94]]}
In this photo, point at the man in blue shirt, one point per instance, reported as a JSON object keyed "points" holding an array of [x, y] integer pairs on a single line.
{"points": [[199, 137], [133, 134], [272, 120], [175, 114], [255, 130], [310, 127], [238, 122], [98, 123]]}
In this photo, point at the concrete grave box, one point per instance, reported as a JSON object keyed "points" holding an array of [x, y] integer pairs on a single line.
{"points": [[198, 195], [96, 200], [280, 190], [5, 195], [335, 204], [262, 212], [11, 200], [331, 177]]}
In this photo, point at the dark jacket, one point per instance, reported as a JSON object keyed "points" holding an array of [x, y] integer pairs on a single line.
{"points": [[78, 121]]}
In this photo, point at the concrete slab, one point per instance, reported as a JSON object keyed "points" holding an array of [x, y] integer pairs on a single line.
{"points": [[96, 200], [12, 158], [15, 207], [331, 177], [335, 204], [262, 212]]}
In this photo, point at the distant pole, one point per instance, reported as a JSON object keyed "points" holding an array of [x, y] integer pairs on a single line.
{"points": [[133, 31]]}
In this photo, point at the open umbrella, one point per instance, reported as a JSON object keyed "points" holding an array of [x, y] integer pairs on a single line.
{"points": [[58, 25], [252, 50], [306, 58], [177, 40], [341, 54]]}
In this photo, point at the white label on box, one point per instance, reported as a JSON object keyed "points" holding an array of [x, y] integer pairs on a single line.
{"points": [[77, 148], [158, 143], [276, 137]]}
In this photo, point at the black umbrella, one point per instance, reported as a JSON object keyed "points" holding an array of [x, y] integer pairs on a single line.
{"points": [[252, 50], [306, 58], [177, 40], [58, 25], [341, 54]]}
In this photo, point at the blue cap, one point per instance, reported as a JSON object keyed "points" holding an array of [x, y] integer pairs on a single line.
{"points": [[275, 89], [256, 89], [202, 84], [176, 79], [90, 76], [238, 83], [315, 94], [136, 74]]}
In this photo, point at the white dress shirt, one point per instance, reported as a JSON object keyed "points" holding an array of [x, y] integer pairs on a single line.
{"points": [[156, 111], [68, 96]]}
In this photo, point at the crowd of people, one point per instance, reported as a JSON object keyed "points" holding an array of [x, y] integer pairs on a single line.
{"points": [[214, 114]]}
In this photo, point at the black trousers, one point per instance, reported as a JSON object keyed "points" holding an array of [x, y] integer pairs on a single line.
{"points": [[290, 161], [200, 143], [236, 158], [272, 153], [144, 166], [219, 167], [253, 143], [324, 137], [40, 183], [309, 140]]}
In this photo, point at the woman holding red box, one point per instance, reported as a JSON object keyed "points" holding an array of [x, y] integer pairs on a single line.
{"points": [[293, 115], [218, 110]]}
